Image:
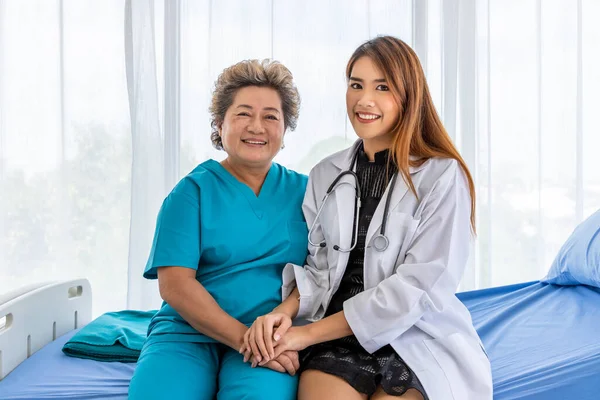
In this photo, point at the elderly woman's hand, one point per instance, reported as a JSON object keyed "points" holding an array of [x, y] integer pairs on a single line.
{"points": [[258, 340], [287, 361]]}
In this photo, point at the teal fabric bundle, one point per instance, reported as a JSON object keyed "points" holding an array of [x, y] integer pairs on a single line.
{"points": [[114, 336]]}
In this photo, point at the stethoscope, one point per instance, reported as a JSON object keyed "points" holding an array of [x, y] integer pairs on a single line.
{"points": [[381, 241]]}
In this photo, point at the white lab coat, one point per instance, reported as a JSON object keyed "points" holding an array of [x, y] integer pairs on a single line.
{"points": [[409, 299]]}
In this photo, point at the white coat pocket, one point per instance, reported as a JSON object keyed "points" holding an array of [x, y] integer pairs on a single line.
{"points": [[462, 360]]}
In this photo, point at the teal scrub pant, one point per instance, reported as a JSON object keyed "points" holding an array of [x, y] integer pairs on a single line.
{"points": [[205, 371]]}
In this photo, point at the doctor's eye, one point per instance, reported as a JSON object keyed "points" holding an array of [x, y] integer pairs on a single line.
{"points": [[383, 88], [355, 85]]}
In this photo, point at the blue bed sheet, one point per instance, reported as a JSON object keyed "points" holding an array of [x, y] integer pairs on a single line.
{"points": [[543, 342], [50, 374]]}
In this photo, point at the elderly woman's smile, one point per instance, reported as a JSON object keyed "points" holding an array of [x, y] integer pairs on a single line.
{"points": [[253, 142]]}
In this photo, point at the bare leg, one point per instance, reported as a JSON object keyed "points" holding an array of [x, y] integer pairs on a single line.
{"points": [[411, 394], [317, 385]]}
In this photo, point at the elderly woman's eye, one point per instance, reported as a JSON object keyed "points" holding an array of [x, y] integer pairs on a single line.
{"points": [[273, 117], [243, 114]]}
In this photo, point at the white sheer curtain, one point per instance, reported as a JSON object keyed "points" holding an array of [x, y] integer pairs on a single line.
{"points": [[103, 107], [65, 146]]}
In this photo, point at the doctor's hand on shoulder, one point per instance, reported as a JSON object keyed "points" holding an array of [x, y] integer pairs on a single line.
{"points": [[260, 338]]}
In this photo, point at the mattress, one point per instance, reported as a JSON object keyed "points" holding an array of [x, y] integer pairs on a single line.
{"points": [[49, 374], [543, 340]]}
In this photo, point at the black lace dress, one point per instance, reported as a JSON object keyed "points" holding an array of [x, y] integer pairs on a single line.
{"points": [[345, 357]]}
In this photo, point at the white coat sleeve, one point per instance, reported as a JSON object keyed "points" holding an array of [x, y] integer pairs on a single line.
{"points": [[312, 279], [431, 271]]}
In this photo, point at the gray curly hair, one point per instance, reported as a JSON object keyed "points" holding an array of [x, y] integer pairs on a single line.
{"points": [[265, 73]]}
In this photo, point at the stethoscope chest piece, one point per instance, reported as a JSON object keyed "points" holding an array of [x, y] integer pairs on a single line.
{"points": [[381, 242]]}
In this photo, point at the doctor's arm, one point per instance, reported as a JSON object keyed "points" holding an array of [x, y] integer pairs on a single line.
{"points": [[298, 338]]}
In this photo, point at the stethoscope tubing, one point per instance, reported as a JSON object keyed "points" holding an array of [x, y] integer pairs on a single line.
{"points": [[381, 241]]}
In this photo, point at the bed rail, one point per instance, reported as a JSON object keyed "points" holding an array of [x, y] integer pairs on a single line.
{"points": [[34, 317]]}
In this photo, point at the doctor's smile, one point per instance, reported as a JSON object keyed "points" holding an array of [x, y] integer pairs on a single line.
{"points": [[367, 118]]}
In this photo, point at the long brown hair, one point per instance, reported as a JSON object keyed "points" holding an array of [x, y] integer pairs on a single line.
{"points": [[419, 131]]}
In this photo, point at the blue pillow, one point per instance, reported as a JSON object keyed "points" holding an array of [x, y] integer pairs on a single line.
{"points": [[578, 261]]}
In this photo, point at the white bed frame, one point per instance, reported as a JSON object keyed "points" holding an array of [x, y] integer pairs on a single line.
{"points": [[34, 316]]}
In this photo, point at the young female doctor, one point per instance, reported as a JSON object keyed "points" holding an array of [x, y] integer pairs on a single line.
{"points": [[390, 223]]}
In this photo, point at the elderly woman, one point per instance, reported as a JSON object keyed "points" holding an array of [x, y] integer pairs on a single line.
{"points": [[223, 236]]}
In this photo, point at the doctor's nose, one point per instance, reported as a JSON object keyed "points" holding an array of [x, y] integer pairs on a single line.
{"points": [[366, 100]]}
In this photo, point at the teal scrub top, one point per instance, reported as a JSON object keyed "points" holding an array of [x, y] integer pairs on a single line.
{"points": [[237, 242]]}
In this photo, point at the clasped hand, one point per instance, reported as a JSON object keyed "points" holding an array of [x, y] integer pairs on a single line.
{"points": [[270, 337]]}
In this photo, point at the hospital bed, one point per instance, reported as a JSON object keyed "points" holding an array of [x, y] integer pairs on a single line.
{"points": [[543, 342], [35, 322]]}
